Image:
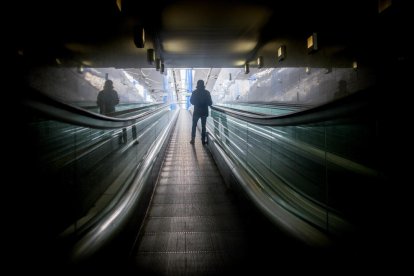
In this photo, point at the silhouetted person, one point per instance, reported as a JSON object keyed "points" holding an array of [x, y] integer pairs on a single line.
{"points": [[201, 99], [107, 98]]}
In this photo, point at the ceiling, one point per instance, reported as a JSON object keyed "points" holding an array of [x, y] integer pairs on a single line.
{"points": [[193, 34]]}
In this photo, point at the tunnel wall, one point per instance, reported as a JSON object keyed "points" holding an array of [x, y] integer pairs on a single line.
{"points": [[298, 85], [70, 85]]}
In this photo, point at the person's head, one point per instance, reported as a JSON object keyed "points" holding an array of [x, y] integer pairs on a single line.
{"points": [[200, 84], [108, 84]]}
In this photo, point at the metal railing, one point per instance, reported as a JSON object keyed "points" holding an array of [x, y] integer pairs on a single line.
{"points": [[94, 172], [318, 164]]}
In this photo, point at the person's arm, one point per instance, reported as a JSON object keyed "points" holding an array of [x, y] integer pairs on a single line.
{"points": [[210, 101], [192, 99]]}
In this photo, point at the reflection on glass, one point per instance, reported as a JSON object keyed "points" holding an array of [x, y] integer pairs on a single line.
{"points": [[320, 172], [79, 169]]}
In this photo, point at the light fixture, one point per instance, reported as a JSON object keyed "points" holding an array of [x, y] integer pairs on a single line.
{"points": [[157, 64], [119, 5], [246, 68], [355, 65], [150, 56], [139, 36], [80, 68], [312, 43], [260, 62], [281, 53], [383, 5]]}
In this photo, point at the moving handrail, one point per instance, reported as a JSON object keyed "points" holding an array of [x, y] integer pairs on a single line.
{"points": [[274, 104], [82, 245], [76, 115], [285, 220], [100, 232], [351, 106], [136, 109], [361, 105]]}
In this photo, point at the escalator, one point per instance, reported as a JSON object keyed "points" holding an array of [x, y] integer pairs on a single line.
{"points": [[219, 208], [193, 226], [197, 225]]}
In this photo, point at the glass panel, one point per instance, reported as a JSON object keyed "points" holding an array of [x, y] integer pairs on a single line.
{"points": [[315, 170], [79, 169]]}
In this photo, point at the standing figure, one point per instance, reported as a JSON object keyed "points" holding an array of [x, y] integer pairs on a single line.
{"points": [[107, 98], [201, 99]]}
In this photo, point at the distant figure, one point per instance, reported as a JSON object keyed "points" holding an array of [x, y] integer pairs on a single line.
{"points": [[201, 99], [107, 98]]}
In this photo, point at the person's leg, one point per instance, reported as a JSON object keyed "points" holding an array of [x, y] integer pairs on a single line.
{"points": [[203, 129], [193, 128]]}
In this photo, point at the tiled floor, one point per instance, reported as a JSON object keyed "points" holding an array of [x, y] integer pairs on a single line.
{"points": [[193, 226]]}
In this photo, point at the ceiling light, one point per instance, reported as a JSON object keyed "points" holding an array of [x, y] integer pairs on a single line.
{"points": [[246, 68], [281, 53], [260, 62], [150, 56], [80, 69], [139, 36], [312, 43], [119, 4], [157, 64], [355, 65], [383, 5]]}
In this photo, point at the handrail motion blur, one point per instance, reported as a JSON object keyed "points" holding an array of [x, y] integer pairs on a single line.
{"points": [[355, 105], [76, 115]]}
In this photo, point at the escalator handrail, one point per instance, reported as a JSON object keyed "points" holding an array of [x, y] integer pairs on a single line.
{"points": [[351, 106], [272, 104], [126, 111], [108, 224], [71, 114], [292, 224]]}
